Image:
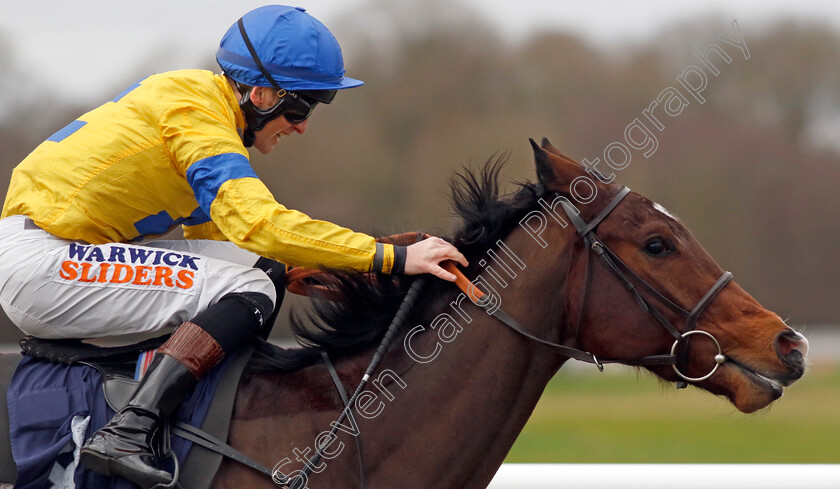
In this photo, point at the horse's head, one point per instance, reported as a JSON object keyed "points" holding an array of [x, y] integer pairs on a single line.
{"points": [[762, 354]]}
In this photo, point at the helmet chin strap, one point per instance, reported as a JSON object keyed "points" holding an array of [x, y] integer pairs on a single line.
{"points": [[255, 118], [248, 135], [248, 138]]}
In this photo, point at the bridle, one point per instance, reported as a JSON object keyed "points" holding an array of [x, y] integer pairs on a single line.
{"points": [[629, 279]]}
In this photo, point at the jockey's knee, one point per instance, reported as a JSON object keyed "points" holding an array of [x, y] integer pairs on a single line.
{"points": [[276, 272], [249, 309], [256, 281], [237, 318]]}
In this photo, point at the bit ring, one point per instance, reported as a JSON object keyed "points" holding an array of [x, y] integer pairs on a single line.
{"points": [[719, 357]]}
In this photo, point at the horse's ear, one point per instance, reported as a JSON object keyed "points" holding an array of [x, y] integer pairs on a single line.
{"points": [[545, 172], [546, 145], [554, 168]]}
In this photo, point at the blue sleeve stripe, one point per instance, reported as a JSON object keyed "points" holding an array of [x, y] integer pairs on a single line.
{"points": [[207, 176], [66, 131]]}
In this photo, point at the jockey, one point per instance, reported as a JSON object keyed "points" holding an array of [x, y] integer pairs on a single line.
{"points": [[75, 256]]}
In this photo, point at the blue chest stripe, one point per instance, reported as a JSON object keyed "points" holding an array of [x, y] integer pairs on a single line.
{"points": [[197, 217], [126, 92], [66, 131]]}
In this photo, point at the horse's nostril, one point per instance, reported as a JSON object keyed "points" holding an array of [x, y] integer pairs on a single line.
{"points": [[785, 346], [791, 345]]}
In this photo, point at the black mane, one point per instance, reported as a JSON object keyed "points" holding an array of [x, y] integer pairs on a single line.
{"points": [[370, 301]]}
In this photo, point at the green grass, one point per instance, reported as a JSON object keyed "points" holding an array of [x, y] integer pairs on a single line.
{"points": [[624, 417]]}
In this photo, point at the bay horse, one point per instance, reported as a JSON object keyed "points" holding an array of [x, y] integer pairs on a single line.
{"points": [[455, 389], [457, 386]]}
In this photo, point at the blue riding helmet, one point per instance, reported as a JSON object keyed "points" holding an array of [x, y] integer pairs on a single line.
{"points": [[296, 49]]}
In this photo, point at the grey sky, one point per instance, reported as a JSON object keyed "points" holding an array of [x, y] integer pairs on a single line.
{"points": [[81, 47]]}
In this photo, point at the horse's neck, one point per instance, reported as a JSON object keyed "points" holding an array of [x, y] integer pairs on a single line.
{"points": [[444, 420], [464, 409]]}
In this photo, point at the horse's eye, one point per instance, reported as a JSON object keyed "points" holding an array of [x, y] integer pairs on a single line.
{"points": [[657, 247]]}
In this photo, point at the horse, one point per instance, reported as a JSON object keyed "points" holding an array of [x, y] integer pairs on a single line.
{"points": [[467, 367], [450, 398]]}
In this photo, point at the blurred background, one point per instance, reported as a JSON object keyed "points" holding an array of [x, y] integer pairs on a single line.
{"points": [[753, 171]]}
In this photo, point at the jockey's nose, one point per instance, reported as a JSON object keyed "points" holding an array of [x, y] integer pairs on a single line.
{"points": [[300, 127]]}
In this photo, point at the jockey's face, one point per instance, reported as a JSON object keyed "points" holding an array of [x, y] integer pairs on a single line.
{"points": [[266, 138]]}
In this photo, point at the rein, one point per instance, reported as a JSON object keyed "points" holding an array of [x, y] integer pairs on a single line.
{"points": [[299, 481], [628, 279]]}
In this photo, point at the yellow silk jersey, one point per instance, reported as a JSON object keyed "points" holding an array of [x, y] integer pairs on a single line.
{"points": [[168, 152]]}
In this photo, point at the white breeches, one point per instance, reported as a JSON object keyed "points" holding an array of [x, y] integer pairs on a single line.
{"points": [[55, 288]]}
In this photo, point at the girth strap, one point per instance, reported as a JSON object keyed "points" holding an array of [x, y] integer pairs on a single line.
{"points": [[346, 400], [210, 442]]}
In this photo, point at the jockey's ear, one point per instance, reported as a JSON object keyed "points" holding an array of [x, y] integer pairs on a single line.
{"points": [[263, 98], [242, 89]]}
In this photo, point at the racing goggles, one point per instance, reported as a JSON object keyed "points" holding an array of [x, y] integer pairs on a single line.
{"points": [[296, 107]]}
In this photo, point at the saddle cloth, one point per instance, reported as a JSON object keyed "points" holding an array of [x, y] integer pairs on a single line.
{"points": [[53, 408]]}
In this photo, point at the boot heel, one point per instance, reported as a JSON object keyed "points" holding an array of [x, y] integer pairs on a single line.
{"points": [[95, 461]]}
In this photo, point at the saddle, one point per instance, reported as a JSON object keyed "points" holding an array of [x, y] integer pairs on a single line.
{"points": [[117, 368]]}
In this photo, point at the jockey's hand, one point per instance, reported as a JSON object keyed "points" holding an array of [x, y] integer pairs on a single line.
{"points": [[425, 256]]}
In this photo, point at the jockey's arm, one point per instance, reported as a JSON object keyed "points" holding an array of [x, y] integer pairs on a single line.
{"points": [[245, 212]]}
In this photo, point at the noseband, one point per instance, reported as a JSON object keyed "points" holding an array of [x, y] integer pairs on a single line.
{"points": [[629, 279]]}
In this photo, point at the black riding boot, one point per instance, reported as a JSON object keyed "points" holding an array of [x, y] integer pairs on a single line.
{"points": [[122, 447]]}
